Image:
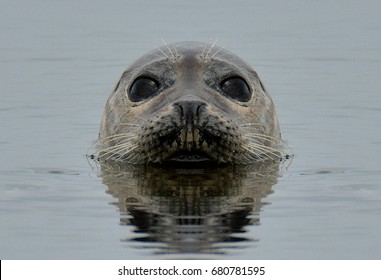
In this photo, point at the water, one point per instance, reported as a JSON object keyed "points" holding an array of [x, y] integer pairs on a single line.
{"points": [[320, 60]]}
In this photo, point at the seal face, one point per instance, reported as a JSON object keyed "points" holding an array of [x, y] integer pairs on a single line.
{"points": [[189, 101]]}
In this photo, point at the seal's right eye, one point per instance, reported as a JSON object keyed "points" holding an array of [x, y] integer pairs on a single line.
{"points": [[236, 88], [142, 88]]}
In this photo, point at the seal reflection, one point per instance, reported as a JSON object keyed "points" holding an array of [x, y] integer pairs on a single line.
{"points": [[182, 209]]}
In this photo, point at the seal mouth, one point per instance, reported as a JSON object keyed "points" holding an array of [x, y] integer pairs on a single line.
{"points": [[206, 149], [190, 144], [184, 150], [189, 156]]}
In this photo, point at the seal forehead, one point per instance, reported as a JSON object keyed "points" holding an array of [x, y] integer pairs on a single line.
{"points": [[190, 47], [213, 61], [207, 52], [190, 56]]}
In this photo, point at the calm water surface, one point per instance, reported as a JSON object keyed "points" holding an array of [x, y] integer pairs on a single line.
{"points": [[320, 60]]}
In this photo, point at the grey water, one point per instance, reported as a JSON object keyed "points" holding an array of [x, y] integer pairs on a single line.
{"points": [[320, 61]]}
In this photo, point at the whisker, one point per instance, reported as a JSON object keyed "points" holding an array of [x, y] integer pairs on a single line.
{"points": [[92, 155], [127, 153], [126, 136], [176, 52], [127, 148], [111, 153], [206, 51], [271, 139], [169, 49], [132, 157], [108, 139], [216, 53], [163, 52], [271, 152], [259, 151], [202, 53], [264, 137], [266, 149], [210, 49]]}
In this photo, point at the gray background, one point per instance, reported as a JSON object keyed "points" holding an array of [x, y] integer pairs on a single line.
{"points": [[320, 60]]}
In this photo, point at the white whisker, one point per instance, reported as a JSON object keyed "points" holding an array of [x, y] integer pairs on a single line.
{"points": [[210, 49], [202, 53], [163, 53], [272, 140], [115, 152], [115, 148], [176, 52], [216, 53], [173, 56]]}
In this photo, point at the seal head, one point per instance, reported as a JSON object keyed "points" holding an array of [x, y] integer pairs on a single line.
{"points": [[189, 102]]}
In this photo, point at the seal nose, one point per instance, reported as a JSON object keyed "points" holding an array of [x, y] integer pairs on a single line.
{"points": [[190, 111]]}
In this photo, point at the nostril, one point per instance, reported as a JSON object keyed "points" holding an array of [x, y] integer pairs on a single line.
{"points": [[189, 114], [190, 109]]}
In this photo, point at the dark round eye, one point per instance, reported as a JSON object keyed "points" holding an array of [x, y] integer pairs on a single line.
{"points": [[142, 88], [236, 88]]}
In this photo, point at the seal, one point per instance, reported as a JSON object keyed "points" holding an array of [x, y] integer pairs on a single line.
{"points": [[189, 102]]}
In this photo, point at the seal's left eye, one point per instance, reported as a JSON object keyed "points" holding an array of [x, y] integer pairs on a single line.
{"points": [[236, 88], [142, 88]]}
